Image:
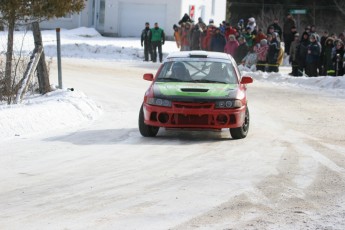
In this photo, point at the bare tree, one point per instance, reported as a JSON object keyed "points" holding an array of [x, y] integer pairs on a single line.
{"points": [[340, 5]]}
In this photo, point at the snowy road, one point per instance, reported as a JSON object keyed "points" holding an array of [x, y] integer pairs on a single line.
{"points": [[289, 173]]}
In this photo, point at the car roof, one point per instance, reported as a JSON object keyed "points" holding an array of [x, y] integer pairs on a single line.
{"points": [[198, 54]]}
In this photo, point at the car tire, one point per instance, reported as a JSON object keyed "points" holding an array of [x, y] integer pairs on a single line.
{"points": [[241, 132], [146, 130]]}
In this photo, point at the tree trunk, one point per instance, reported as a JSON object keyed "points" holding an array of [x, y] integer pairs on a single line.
{"points": [[9, 56], [42, 71]]}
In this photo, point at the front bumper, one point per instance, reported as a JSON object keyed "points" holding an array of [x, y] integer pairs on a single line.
{"points": [[193, 115]]}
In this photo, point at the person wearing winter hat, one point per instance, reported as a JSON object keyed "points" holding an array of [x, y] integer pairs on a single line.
{"points": [[146, 42], [313, 56], [273, 53], [177, 35], [218, 41], [231, 45], [251, 24], [276, 27], [157, 37], [262, 55], [241, 51], [293, 55]]}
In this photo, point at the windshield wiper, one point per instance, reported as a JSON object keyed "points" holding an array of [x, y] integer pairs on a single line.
{"points": [[172, 79], [209, 81]]}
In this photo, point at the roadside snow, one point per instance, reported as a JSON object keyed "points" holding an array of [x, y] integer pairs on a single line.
{"points": [[63, 108]]}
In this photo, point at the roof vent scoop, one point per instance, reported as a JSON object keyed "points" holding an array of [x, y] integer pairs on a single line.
{"points": [[198, 53]]}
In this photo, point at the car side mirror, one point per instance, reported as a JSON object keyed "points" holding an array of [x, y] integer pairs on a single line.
{"points": [[148, 77], [246, 80]]}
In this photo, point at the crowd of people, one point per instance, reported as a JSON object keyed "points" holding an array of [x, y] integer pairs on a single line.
{"points": [[309, 53]]}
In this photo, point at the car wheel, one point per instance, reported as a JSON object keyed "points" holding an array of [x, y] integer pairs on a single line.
{"points": [[146, 130], [241, 132]]}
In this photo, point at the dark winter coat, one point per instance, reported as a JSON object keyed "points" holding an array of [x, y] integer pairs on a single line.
{"points": [[313, 52], [145, 36], [327, 54], [241, 52], [218, 43], [195, 38], [273, 51], [302, 50]]}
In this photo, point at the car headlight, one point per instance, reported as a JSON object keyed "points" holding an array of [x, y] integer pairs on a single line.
{"points": [[159, 102], [228, 104]]}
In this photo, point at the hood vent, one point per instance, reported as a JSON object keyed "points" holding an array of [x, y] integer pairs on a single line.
{"points": [[196, 90]]}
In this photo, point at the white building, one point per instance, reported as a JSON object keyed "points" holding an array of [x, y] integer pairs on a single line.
{"points": [[126, 18]]}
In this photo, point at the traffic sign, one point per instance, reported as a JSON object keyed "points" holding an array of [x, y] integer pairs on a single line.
{"points": [[298, 11]]}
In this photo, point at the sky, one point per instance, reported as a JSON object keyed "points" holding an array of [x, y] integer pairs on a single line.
{"points": [[64, 108]]}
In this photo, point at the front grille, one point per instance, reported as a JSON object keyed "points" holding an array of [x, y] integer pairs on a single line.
{"points": [[180, 119], [193, 105]]}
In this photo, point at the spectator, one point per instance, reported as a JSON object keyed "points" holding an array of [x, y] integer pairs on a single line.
{"points": [[240, 26], [157, 38], [289, 23], [293, 56], [249, 37], [177, 36], [270, 30], [218, 41], [262, 55], [201, 23], [195, 37], [146, 42], [327, 62], [313, 55], [323, 39], [231, 45], [185, 42], [209, 34], [276, 27], [203, 35], [259, 36], [251, 24], [273, 53], [302, 52], [229, 31], [338, 58], [251, 59], [241, 51], [288, 38]]}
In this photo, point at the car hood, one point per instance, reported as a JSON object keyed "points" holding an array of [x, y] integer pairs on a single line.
{"points": [[194, 90]]}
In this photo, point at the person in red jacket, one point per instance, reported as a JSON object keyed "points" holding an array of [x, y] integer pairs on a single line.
{"points": [[231, 45]]}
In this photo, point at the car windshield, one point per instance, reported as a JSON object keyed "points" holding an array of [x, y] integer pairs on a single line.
{"points": [[198, 71]]}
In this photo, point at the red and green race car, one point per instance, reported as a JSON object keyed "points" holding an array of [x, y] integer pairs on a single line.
{"points": [[196, 90]]}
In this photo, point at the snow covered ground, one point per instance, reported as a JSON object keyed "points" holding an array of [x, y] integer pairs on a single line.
{"points": [[75, 160], [35, 113]]}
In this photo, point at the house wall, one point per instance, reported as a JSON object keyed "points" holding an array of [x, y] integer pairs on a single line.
{"points": [[119, 22]]}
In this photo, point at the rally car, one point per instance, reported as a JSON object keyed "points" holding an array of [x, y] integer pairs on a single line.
{"points": [[196, 90]]}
